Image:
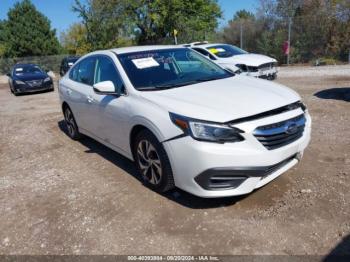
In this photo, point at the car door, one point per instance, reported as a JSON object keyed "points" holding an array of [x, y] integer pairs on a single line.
{"points": [[112, 109], [80, 94]]}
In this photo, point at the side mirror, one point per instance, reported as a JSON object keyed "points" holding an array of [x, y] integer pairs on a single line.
{"points": [[105, 88]]}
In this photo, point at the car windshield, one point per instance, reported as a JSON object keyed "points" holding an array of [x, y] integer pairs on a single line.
{"points": [[72, 60], [224, 51], [169, 68], [27, 69]]}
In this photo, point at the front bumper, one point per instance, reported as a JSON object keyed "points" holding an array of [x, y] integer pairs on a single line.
{"points": [[269, 74], [25, 88], [248, 163]]}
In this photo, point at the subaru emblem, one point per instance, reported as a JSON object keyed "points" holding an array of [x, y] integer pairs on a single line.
{"points": [[291, 128]]}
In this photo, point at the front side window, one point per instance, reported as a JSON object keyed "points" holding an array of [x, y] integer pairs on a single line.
{"points": [[224, 51], [169, 68], [106, 71]]}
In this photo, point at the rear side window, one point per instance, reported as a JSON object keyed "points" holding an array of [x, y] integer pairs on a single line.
{"points": [[73, 74], [84, 71], [106, 71]]}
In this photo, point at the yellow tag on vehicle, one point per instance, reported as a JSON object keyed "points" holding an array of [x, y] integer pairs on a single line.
{"points": [[213, 50]]}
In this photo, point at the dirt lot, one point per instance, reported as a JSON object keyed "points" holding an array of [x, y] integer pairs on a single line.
{"points": [[58, 196]]}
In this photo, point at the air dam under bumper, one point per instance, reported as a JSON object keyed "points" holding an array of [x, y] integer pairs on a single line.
{"points": [[190, 159], [230, 178]]}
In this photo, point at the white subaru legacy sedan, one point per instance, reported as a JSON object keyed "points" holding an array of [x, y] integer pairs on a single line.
{"points": [[184, 120]]}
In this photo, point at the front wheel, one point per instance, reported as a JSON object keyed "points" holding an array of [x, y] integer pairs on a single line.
{"points": [[71, 125], [152, 162]]}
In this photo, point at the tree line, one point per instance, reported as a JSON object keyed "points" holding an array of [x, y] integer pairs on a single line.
{"points": [[318, 28]]}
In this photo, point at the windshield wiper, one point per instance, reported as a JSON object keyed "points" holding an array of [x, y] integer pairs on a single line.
{"points": [[208, 79], [170, 86], [165, 86]]}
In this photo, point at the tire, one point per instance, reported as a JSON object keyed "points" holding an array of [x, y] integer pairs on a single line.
{"points": [[72, 127], [152, 162]]}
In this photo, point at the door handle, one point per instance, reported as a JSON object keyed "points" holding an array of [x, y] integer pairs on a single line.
{"points": [[90, 99]]}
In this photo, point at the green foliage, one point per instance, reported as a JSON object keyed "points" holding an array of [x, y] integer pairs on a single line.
{"points": [[104, 21], [245, 21], [243, 15], [74, 40], [2, 39], [195, 20], [28, 32], [320, 28], [118, 22]]}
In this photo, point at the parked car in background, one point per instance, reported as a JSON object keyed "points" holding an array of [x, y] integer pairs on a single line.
{"points": [[184, 120], [26, 78], [66, 63], [232, 57]]}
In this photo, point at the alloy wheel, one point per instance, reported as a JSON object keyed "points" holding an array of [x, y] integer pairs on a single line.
{"points": [[69, 122], [149, 162]]}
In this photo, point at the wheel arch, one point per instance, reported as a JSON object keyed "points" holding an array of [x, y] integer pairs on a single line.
{"points": [[64, 106], [136, 129]]}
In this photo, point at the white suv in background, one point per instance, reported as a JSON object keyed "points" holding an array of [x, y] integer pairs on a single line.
{"points": [[233, 58], [184, 120]]}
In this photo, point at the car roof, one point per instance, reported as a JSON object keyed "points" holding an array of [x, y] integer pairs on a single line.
{"points": [[25, 64], [206, 45], [131, 49]]}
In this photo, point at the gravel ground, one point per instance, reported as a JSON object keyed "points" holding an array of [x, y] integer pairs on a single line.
{"points": [[58, 196], [310, 71]]}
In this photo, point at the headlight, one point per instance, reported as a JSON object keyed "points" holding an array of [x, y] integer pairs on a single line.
{"points": [[47, 79], [19, 82], [207, 131]]}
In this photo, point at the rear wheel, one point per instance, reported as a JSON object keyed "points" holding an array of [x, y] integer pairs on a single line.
{"points": [[71, 125], [152, 162]]}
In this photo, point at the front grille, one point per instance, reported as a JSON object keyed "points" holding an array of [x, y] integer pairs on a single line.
{"points": [[282, 133], [34, 83]]}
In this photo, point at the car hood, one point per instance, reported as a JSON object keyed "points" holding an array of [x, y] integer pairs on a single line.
{"points": [[29, 77], [248, 59], [223, 100]]}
